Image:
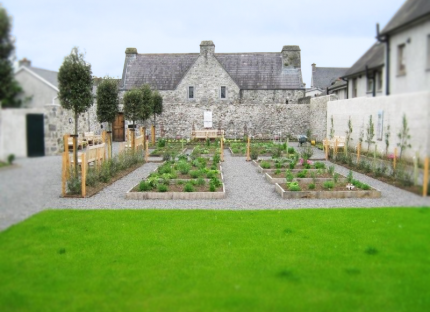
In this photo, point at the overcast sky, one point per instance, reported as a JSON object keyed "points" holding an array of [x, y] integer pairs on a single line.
{"points": [[330, 33]]}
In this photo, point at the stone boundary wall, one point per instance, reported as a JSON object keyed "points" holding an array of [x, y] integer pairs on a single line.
{"points": [[318, 116], [259, 120], [416, 107]]}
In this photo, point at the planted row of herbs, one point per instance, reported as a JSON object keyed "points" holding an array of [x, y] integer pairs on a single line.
{"points": [[187, 175], [110, 170], [263, 149]]}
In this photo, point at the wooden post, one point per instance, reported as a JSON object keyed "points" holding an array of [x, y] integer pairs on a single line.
{"points": [[153, 135], [64, 173], [144, 136], [426, 176], [83, 175], [335, 149], [133, 139], [326, 146], [75, 157], [394, 159], [248, 150], [147, 151], [222, 147], [358, 152], [109, 145]]}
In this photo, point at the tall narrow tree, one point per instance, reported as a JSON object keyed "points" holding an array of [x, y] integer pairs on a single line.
{"points": [[9, 88], [107, 100], [146, 105], [75, 84], [133, 105], [157, 105]]}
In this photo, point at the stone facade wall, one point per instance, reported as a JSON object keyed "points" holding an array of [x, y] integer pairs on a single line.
{"points": [[261, 121], [318, 116]]}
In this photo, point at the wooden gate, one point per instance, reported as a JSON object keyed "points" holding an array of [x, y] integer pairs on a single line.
{"points": [[35, 135], [118, 128]]}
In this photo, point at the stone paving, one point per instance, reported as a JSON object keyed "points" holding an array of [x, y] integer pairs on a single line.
{"points": [[35, 184]]}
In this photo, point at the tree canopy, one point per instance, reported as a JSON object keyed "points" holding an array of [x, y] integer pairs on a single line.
{"points": [[157, 104], [75, 83], [9, 87], [107, 100], [133, 105], [146, 108]]}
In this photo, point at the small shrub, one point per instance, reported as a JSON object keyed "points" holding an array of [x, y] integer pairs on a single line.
{"points": [[364, 186], [289, 176], [92, 177], [331, 170], [277, 171], [195, 174], [10, 159], [336, 177], [189, 187], [294, 187], [350, 177], [211, 174], [105, 172], [328, 185], [162, 188], [314, 177], [265, 165], [291, 150], [292, 165], [183, 167], [254, 154], [319, 165], [307, 166], [74, 184], [167, 156], [311, 186], [144, 186], [212, 187], [216, 158], [161, 143], [180, 182], [302, 174], [201, 181], [182, 157]]}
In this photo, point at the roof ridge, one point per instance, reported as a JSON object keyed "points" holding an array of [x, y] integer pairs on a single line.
{"points": [[53, 71]]}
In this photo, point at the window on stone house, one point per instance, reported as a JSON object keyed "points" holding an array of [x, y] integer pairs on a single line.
{"points": [[354, 87], [223, 92], [191, 92], [401, 60]]}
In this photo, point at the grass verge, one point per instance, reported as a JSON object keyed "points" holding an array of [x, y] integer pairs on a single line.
{"points": [[154, 260]]}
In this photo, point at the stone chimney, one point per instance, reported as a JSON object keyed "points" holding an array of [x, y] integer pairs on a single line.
{"points": [[207, 48], [130, 53], [314, 69], [24, 62], [291, 56]]}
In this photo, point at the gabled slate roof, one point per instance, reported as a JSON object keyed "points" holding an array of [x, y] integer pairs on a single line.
{"points": [[48, 75], [260, 71], [373, 58], [410, 11], [322, 77], [161, 71]]}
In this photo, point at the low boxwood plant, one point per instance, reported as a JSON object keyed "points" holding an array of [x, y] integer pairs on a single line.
{"points": [[289, 176], [302, 174], [294, 187], [144, 186], [189, 187], [319, 165], [162, 188], [311, 186], [328, 185], [265, 165]]}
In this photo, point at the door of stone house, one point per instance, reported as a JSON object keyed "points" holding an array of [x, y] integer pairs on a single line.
{"points": [[35, 135], [118, 128]]}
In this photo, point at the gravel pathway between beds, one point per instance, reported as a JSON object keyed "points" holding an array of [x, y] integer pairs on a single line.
{"points": [[36, 184]]}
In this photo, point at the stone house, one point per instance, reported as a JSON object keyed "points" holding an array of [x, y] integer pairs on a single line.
{"points": [[37, 128], [322, 78], [245, 92]]}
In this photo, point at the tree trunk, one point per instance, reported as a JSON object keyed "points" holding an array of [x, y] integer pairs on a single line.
{"points": [[75, 156]]}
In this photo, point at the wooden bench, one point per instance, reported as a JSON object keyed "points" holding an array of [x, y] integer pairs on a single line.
{"points": [[341, 141], [207, 134], [91, 138]]}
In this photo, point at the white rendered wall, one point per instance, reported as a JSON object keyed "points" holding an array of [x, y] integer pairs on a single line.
{"points": [[417, 76], [416, 106]]}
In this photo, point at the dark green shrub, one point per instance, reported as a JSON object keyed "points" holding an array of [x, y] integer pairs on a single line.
{"points": [[302, 174], [92, 177], [201, 181], [319, 165], [307, 166], [277, 171], [167, 156], [217, 158], [180, 182], [289, 176], [10, 159], [189, 187], [162, 188], [195, 174], [216, 182], [212, 187], [74, 185], [144, 186], [364, 186], [105, 172], [254, 154], [161, 143], [311, 186], [265, 165], [291, 150], [292, 165], [183, 167], [212, 174], [165, 168], [328, 185]]}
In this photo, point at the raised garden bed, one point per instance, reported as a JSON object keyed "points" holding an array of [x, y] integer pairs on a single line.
{"points": [[266, 166], [200, 178], [268, 149], [297, 176], [301, 189]]}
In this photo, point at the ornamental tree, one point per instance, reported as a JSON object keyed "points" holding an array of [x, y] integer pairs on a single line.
{"points": [[146, 104], [157, 105], [75, 84], [9, 87], [133, 105], [107, 100]]}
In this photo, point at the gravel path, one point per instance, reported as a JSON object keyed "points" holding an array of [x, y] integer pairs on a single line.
{"points": [[35, 185]]}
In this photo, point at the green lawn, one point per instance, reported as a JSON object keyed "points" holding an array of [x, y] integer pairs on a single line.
{"points": [[147, 260]]}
